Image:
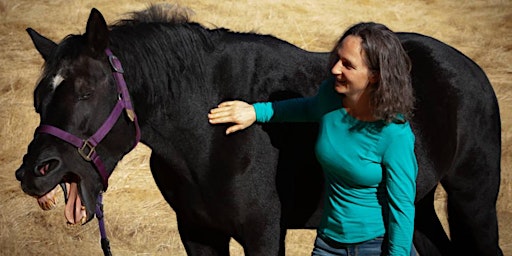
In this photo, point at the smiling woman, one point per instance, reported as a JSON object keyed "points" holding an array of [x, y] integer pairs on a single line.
{"points": [[137, 215]]}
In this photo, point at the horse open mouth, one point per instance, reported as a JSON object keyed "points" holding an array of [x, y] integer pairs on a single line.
{"points": [[75, 212]]}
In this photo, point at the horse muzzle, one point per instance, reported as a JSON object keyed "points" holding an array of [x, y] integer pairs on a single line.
{"points": [[42, 182]]}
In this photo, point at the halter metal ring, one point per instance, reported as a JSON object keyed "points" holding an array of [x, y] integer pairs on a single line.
{"points": [[86, 154]]}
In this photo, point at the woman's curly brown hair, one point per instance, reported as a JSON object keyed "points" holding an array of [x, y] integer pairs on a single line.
{"points": [[392, 96]]}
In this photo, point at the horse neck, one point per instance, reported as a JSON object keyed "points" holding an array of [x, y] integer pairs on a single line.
{"points": [[159, 60]]}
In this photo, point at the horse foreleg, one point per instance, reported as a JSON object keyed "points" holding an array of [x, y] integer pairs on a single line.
{"points": [[263, 236], [203, 242]]}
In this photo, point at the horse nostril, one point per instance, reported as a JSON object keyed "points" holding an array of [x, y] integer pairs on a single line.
{"points": [[46, 167]]}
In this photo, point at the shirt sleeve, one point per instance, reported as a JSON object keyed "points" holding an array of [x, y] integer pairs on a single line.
{"points": [[401, 171], [309, 109]]}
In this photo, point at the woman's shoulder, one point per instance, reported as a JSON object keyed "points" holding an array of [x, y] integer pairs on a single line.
{"points": [[398, 126], [394, 131]]}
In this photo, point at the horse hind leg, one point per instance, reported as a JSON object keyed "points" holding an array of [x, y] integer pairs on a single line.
{"points": [[472, 192], [430, 239]]}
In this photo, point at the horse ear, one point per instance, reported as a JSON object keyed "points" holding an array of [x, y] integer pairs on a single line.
{"points": [[96, 32], [43, 45]]}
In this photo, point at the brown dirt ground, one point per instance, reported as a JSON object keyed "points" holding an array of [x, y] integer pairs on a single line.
{"points": [[138, 221]]}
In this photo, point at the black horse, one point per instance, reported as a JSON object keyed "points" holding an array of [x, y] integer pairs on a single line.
{"points": [[253, 185]]}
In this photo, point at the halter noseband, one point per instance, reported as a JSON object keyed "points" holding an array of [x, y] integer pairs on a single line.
{"points": [[87, 148]]}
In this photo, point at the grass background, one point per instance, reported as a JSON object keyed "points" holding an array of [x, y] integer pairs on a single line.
{"points": [[138, 220]]}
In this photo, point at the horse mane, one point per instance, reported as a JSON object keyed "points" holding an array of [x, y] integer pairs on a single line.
{"points": [[159, 13], [163, 52]]}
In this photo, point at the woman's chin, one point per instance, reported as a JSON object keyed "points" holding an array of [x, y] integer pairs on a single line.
{"points": [[340, 88]]}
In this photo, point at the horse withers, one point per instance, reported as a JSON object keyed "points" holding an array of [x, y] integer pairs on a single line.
{"points": [[253, 185]]}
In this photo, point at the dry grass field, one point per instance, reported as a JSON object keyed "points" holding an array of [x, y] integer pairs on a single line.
{"points": [[138, 220]]}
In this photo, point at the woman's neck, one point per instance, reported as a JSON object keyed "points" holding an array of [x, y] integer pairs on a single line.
{"points": [[359, 108]]}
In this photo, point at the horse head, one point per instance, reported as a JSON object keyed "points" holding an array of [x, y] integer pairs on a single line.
{"points": [[83, 132]]}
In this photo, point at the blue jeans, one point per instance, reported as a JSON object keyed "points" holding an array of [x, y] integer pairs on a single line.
{"points": [[326, 247]]}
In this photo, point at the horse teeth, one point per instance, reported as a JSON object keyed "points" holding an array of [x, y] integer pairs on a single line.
{"points": [[50, 204], [83, 220], [42, 205], [47, 202]]}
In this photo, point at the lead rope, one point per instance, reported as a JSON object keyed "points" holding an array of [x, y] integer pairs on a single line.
{"points": [[105, 244]]}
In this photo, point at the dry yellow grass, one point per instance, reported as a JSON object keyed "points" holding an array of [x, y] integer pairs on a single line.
{"points": [[139, 222]]}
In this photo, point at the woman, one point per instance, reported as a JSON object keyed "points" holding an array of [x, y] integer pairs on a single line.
{"points": [[365, 144]]}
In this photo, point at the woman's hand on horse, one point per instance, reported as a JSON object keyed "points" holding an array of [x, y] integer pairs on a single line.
{"points": [[240, 113]]}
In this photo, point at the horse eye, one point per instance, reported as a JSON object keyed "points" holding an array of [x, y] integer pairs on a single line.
{"points": [[84, 96]]}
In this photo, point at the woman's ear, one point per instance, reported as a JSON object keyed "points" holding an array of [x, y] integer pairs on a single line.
{"points": [[374, 77]]}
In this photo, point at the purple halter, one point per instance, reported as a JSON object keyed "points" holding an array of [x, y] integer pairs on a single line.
{"points": [[87, 148]]}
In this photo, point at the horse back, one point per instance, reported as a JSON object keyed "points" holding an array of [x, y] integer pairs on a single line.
{"points": [[456, 119]]}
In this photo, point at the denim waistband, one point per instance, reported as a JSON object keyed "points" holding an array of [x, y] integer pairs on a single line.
{"points": [[338, 245]]}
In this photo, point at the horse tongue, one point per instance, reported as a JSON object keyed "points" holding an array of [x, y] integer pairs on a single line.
{"points": [[75, 212]]}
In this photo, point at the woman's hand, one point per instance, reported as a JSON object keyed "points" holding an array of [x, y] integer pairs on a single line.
{"points": [[240, 113]]}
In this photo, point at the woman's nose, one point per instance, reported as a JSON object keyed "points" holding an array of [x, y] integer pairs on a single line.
{"points": [[336, 69]]}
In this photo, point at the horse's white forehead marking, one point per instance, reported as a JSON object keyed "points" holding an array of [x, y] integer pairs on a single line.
{"points": [[57, 80]]}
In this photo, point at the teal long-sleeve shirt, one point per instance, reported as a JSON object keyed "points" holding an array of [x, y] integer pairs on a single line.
{"points": [[370, 169]]}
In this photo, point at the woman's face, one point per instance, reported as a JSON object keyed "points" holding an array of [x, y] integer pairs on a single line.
{"points": [[351, 72]]}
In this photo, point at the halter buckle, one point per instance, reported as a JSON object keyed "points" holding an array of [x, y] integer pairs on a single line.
{"points": [[115, 63], [86, 150]]}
